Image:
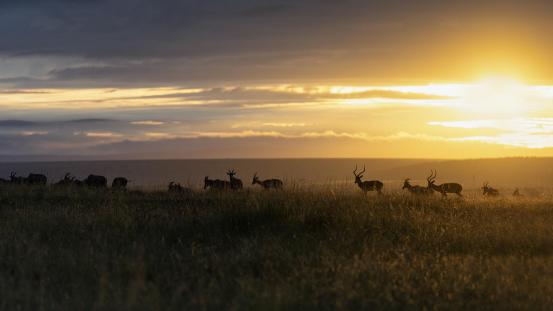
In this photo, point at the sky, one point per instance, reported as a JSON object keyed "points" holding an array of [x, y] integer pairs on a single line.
{"points": [[137, 79]]}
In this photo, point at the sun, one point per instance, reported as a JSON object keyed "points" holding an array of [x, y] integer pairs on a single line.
{"points": [[496, 96]]}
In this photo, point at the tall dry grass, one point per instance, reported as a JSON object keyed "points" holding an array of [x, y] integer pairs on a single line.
{"points": [[304, 248]]}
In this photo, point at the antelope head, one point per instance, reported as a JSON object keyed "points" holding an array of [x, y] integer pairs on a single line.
{"points": [[231, 173], [485, 186], [359, 175], [68, 177], [406, 184], [432, 178], [255, 179]]}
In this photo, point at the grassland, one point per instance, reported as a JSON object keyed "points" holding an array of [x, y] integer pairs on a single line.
{"points": [[322, 249]]}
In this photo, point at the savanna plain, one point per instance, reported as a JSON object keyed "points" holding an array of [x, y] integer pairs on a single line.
{"points": [[323, 248]]}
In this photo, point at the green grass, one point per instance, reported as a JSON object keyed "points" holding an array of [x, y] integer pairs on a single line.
{"points": [[320, 249]]}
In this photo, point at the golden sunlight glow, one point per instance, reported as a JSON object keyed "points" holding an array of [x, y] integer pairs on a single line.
{"points": [[494, 111], [496, 96]]}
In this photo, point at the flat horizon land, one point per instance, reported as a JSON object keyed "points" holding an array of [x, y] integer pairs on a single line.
{"points": [[298, 249], [507, 173]]}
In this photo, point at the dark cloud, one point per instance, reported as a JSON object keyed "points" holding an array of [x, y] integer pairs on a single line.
{"points": [[17, 123], [172, 42], [24, 123]]}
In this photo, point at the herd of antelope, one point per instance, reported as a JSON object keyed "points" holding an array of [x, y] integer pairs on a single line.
{"points": [[94, 181], [97, 181], [431, 187], [234, 183]]}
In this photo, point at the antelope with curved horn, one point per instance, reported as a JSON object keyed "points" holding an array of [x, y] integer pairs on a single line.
{"points": [[69, 180], [235, 183], [489, 191], [267, 183], [417, 190], [216, 184], [368, 185], [444, 189]]}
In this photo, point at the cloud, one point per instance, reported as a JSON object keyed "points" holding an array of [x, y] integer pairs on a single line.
{"points": [[536, 133], [16, 123], [255, 96], [147, 122], [289, 95], [280, 124], [33, 133], [48, 124], [100, 134], [172, 42]]}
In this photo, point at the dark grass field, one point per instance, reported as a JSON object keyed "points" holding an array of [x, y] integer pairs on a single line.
{"points": [[311, 249]]}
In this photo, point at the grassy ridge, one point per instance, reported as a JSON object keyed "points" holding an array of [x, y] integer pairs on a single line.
{"points": [[298, 249]]}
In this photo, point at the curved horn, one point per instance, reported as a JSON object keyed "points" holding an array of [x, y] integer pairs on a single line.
{"points": [[363, 171], [355, 170], [429, 178]]}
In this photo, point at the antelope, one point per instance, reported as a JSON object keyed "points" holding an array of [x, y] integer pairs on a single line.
{"points": [[14, 179], [235, 183], [96, 181], [489, 191], [69, 180], [36, 179], [216, 184], [119, 183], [178, 188], [444, 189], [267, 183], [365, 186], [517, 194], [416, 190]]}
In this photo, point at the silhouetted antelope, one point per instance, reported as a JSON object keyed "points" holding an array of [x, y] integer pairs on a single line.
{"points": [[36, 179], [416, 190], [96, 181], [267, 183], [178, 188], [216, 184], [517, 194], [235, 183], [370, 185], [444, 189], [119, 183], [489, 191], [14, 179], [69, 180]]}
